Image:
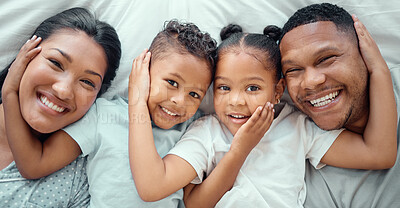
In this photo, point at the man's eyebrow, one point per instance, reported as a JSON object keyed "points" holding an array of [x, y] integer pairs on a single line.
{"points": [[94, 73], [69, 59]]}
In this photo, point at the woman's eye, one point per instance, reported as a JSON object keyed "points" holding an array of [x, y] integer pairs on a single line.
{"points": [[55, 63], [89, 83], [173, 83], [252, 88], [225, 88], [193, 94]]}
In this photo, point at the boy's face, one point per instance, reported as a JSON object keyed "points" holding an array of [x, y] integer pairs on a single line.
{"points": [[178, 83], [325, 74], [242, 83]]}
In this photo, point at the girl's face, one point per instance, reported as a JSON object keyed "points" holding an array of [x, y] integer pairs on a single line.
{"points": [[178, 84], [62, 81], [242, 83]]}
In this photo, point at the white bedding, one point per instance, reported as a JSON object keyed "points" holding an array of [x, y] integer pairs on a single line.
{"points": [[138, 21]]}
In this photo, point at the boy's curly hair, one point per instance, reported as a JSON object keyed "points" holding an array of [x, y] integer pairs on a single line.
{"points": [[184, 38]]}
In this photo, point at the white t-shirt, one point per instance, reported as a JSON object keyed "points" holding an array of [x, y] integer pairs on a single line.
{"points": [[273, 173], [102, 134]]}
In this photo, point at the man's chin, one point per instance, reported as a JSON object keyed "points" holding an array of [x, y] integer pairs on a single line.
{"points": [[327, 125]]}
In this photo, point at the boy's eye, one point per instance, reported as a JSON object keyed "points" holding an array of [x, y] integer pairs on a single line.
{"points": [[225, 88], [173, 83], [89, 83], [193, 94], [252, 88]]}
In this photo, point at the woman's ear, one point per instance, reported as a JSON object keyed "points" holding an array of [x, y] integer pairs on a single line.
{"points": [[279, 89]]}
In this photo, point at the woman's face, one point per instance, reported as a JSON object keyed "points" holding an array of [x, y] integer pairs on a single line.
{"points": [[62, 81]]}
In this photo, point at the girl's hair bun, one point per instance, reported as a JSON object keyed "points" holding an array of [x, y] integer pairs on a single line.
{"points": [[273, 32], [229, 30]]}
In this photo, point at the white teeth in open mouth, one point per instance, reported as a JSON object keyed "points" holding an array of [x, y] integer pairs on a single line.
{"points": [[168, 112], [324, 100], [51, 105], [237, 116]]}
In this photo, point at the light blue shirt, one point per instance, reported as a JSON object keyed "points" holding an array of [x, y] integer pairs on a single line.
{"points": [[102, 134]]}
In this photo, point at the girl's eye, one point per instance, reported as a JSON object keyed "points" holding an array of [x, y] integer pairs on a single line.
{"points": [[173, 83], [193, 94], [252, 88], [224, 88], [89, 83], [55, 63]]}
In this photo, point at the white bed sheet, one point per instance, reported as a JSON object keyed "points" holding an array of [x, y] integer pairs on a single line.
{"points": [[138, 21]]}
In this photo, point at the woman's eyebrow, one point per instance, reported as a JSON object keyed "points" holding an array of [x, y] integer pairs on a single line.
{"points": [[69, 59], [94, 73]]}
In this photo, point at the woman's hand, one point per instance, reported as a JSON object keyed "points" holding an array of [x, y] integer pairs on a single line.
{"points": [[248, 135], [18, 67], [139, 79]]}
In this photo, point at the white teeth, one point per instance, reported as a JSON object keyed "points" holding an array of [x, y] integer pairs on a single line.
{"points": [[324, 100], [51, 105], [237, 116], [168, 112]]}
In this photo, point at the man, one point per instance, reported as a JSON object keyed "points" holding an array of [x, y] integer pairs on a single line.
{"points": [[327, 79]]}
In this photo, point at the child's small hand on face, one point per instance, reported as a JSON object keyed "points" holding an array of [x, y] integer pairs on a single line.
{"points": [[369, 50], [27, 52], [248, 135], [139, 79]]}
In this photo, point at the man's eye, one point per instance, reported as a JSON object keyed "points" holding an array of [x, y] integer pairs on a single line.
{"points": [[252, 88], [292, 70], [193, 94], [324, 59], [173, 83]]}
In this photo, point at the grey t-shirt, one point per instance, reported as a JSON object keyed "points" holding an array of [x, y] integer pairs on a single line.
{"points": [[67, 187], [339, 187]]}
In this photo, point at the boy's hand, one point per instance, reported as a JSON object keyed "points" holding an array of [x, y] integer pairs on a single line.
{"points": [[250, 133], [369, 50], [139, 79], [27, 52]]}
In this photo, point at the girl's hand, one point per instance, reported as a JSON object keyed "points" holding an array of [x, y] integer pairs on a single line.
{"points": [[27, 52], [248, 135], [369, 50], [139, 79]]}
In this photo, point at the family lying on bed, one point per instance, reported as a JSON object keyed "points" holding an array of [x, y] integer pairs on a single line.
{"points": [[159, 150]]}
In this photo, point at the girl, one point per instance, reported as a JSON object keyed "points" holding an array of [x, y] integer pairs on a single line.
{"points": [[264, 170], [181, 71], [52, 83]]}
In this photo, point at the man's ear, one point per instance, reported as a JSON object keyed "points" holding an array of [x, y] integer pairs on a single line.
{"points": [[279, 89]]}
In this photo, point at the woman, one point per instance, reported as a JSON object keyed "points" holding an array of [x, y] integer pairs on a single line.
{"points": [[69, 61]]}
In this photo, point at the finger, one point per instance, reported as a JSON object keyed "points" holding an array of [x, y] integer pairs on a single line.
{"points": [[254, 117], [31, 43], [141, 57]]}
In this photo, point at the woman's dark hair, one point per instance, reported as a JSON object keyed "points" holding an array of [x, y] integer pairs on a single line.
{"points": [[184, 38], [263, 47], [81, 19]]}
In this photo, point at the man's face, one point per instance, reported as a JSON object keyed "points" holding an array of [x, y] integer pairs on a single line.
{"points": [[325, 75]]}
